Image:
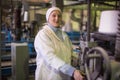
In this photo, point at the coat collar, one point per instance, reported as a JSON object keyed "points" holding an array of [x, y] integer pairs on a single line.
{"points": [[50, 31]]}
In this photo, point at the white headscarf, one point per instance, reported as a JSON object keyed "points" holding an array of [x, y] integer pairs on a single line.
{"points": [[49, 11]]}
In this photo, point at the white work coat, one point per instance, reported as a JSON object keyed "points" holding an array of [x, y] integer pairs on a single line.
{"points": [[52, 53]]}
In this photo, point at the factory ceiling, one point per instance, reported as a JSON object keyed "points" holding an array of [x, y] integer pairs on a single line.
{"points": [[7, 5]]}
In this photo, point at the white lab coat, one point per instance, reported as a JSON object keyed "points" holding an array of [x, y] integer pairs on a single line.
{"points": [[52, 53]]}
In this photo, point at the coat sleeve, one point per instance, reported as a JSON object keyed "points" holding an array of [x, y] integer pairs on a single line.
{"points": [[43, 46]]}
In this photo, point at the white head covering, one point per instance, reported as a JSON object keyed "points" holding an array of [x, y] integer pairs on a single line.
{"points": [[49, 11]]}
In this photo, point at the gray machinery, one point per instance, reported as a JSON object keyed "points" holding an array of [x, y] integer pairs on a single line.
{"points": [[104, 69], [95, 61], [19, 58]]}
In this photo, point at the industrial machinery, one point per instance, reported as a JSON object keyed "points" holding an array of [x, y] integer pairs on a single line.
{"points": [[97, 61], [99, 51], [94, 62], [108, 38]]}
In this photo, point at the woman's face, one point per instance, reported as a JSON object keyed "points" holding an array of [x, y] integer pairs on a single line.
{"points": [[55, 18]]}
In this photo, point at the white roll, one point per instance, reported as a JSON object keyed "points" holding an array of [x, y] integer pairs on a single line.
{"points": [[25, 16], [109, 22]]}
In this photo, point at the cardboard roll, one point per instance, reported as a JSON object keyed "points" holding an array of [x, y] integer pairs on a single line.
{"points": [[109, 22]]}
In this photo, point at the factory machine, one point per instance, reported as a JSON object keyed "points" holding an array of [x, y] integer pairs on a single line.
{"points": [[18, 54], [99, 53], [100, 56], [107, 37]]}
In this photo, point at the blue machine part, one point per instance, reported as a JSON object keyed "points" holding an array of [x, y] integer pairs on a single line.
{"points": [[74, 36], [31, 47]]}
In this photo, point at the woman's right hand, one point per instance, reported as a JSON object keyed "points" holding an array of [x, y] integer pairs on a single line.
{"points": [[77, 75]]}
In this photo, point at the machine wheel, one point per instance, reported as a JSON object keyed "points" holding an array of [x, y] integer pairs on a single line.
{"points": [[97, 64]]}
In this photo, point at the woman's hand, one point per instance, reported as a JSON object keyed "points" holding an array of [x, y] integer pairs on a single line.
{"points": [[77, 75]]}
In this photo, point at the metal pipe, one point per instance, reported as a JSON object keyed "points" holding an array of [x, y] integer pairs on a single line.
{"points": [[17, 22], [0, 34], [58, 3], [89, 19]]}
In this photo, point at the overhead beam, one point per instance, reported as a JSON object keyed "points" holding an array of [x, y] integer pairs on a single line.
{"points": [[107, 4]]}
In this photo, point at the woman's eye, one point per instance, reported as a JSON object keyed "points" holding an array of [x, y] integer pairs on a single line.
{"points": [[54, 15]]}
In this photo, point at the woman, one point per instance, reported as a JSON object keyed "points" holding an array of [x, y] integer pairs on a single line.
{"points": [[54, 50]]}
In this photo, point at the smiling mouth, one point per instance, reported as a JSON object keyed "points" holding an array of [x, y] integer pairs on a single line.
{"points": [[57, 22]]}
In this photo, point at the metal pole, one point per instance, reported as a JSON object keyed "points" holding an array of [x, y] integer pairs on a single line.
{"points": [[58, 4], [0, 33], [89, 19], [17, 22]]}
